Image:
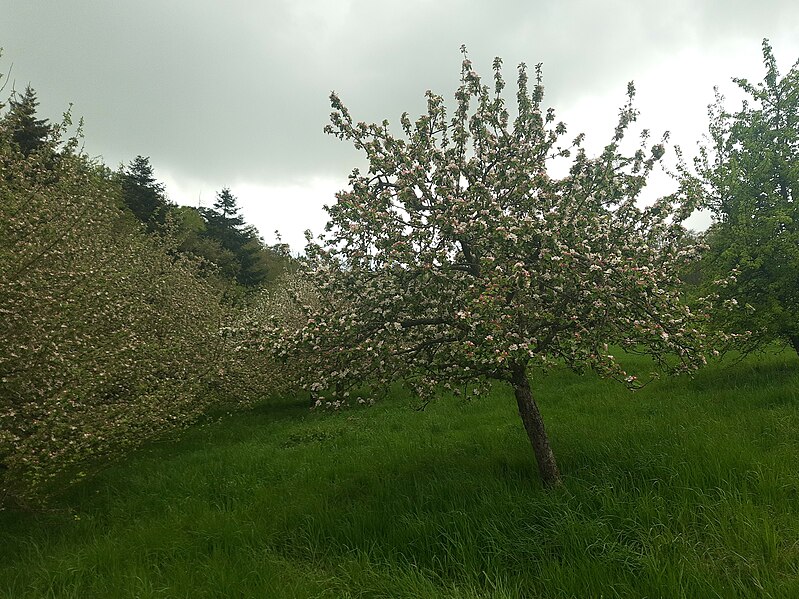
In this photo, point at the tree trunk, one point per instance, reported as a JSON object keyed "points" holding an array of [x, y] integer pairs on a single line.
{"points": [[794, 339], [534, 425]]}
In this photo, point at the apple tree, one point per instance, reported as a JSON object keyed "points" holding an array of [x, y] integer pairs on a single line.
{"points": [[458, 260]]}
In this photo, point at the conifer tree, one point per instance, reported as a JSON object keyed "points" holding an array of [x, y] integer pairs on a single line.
{"points": [[223, 221], [142, 193], [225, 225], [227, 209], [28, 132]]}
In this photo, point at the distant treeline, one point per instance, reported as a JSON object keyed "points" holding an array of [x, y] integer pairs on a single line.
{"points": [[219, 235]]}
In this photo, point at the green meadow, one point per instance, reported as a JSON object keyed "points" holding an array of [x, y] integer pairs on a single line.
{"points": [[687, 488]]}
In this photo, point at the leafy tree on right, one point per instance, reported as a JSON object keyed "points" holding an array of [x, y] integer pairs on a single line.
{"points": [[751, 178]]}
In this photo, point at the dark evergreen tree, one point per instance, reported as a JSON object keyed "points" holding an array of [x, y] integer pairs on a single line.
{"points": [[227, 209], [225, 224], [143, 194], [28, 132], [223, 221], [253, 256]]}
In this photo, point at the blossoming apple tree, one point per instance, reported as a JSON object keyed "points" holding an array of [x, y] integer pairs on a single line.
{"points": [[457, 259]]}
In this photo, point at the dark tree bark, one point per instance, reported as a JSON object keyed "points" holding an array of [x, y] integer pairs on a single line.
{"points": [[534, 425]]}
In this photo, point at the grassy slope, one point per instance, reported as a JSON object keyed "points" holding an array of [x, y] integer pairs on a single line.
{"points": [[685, 489]]}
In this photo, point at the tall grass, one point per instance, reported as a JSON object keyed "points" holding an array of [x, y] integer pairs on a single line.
{"points": [[688, 488]]}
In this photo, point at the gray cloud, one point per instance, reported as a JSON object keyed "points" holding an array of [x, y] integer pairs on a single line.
{"points": [[237, 91]]}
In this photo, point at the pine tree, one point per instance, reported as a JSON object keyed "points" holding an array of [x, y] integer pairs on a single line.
{"points": [[223, 221], [142, 193], [26, 131], [225, 225], [227, 209]]}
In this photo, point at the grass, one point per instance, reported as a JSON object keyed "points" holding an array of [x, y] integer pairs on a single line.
{"points": [[688, 488]]}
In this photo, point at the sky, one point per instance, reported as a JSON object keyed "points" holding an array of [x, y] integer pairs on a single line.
{"points": [[236, 93]]}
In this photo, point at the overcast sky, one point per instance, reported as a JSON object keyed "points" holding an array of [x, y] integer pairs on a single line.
{"points": [[235, 93]]}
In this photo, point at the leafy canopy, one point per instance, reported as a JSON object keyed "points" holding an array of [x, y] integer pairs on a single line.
{"points": [[457, 257], [751, 176], [110, 337]]}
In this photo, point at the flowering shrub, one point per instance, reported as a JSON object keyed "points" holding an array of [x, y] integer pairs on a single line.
{"points": [[458, 259]]}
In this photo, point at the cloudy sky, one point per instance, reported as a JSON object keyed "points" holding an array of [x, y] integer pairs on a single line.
{"points": [[235, 93]]}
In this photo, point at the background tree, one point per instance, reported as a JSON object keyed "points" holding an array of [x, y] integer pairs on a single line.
{"points": [[456, 259], [143, 194], [226, 210], [189, 231], [26, 131], [255, 262], [751, 177]]}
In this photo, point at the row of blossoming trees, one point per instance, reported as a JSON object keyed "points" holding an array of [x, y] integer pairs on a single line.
{"points": [[457, 259], [109, 336]]}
